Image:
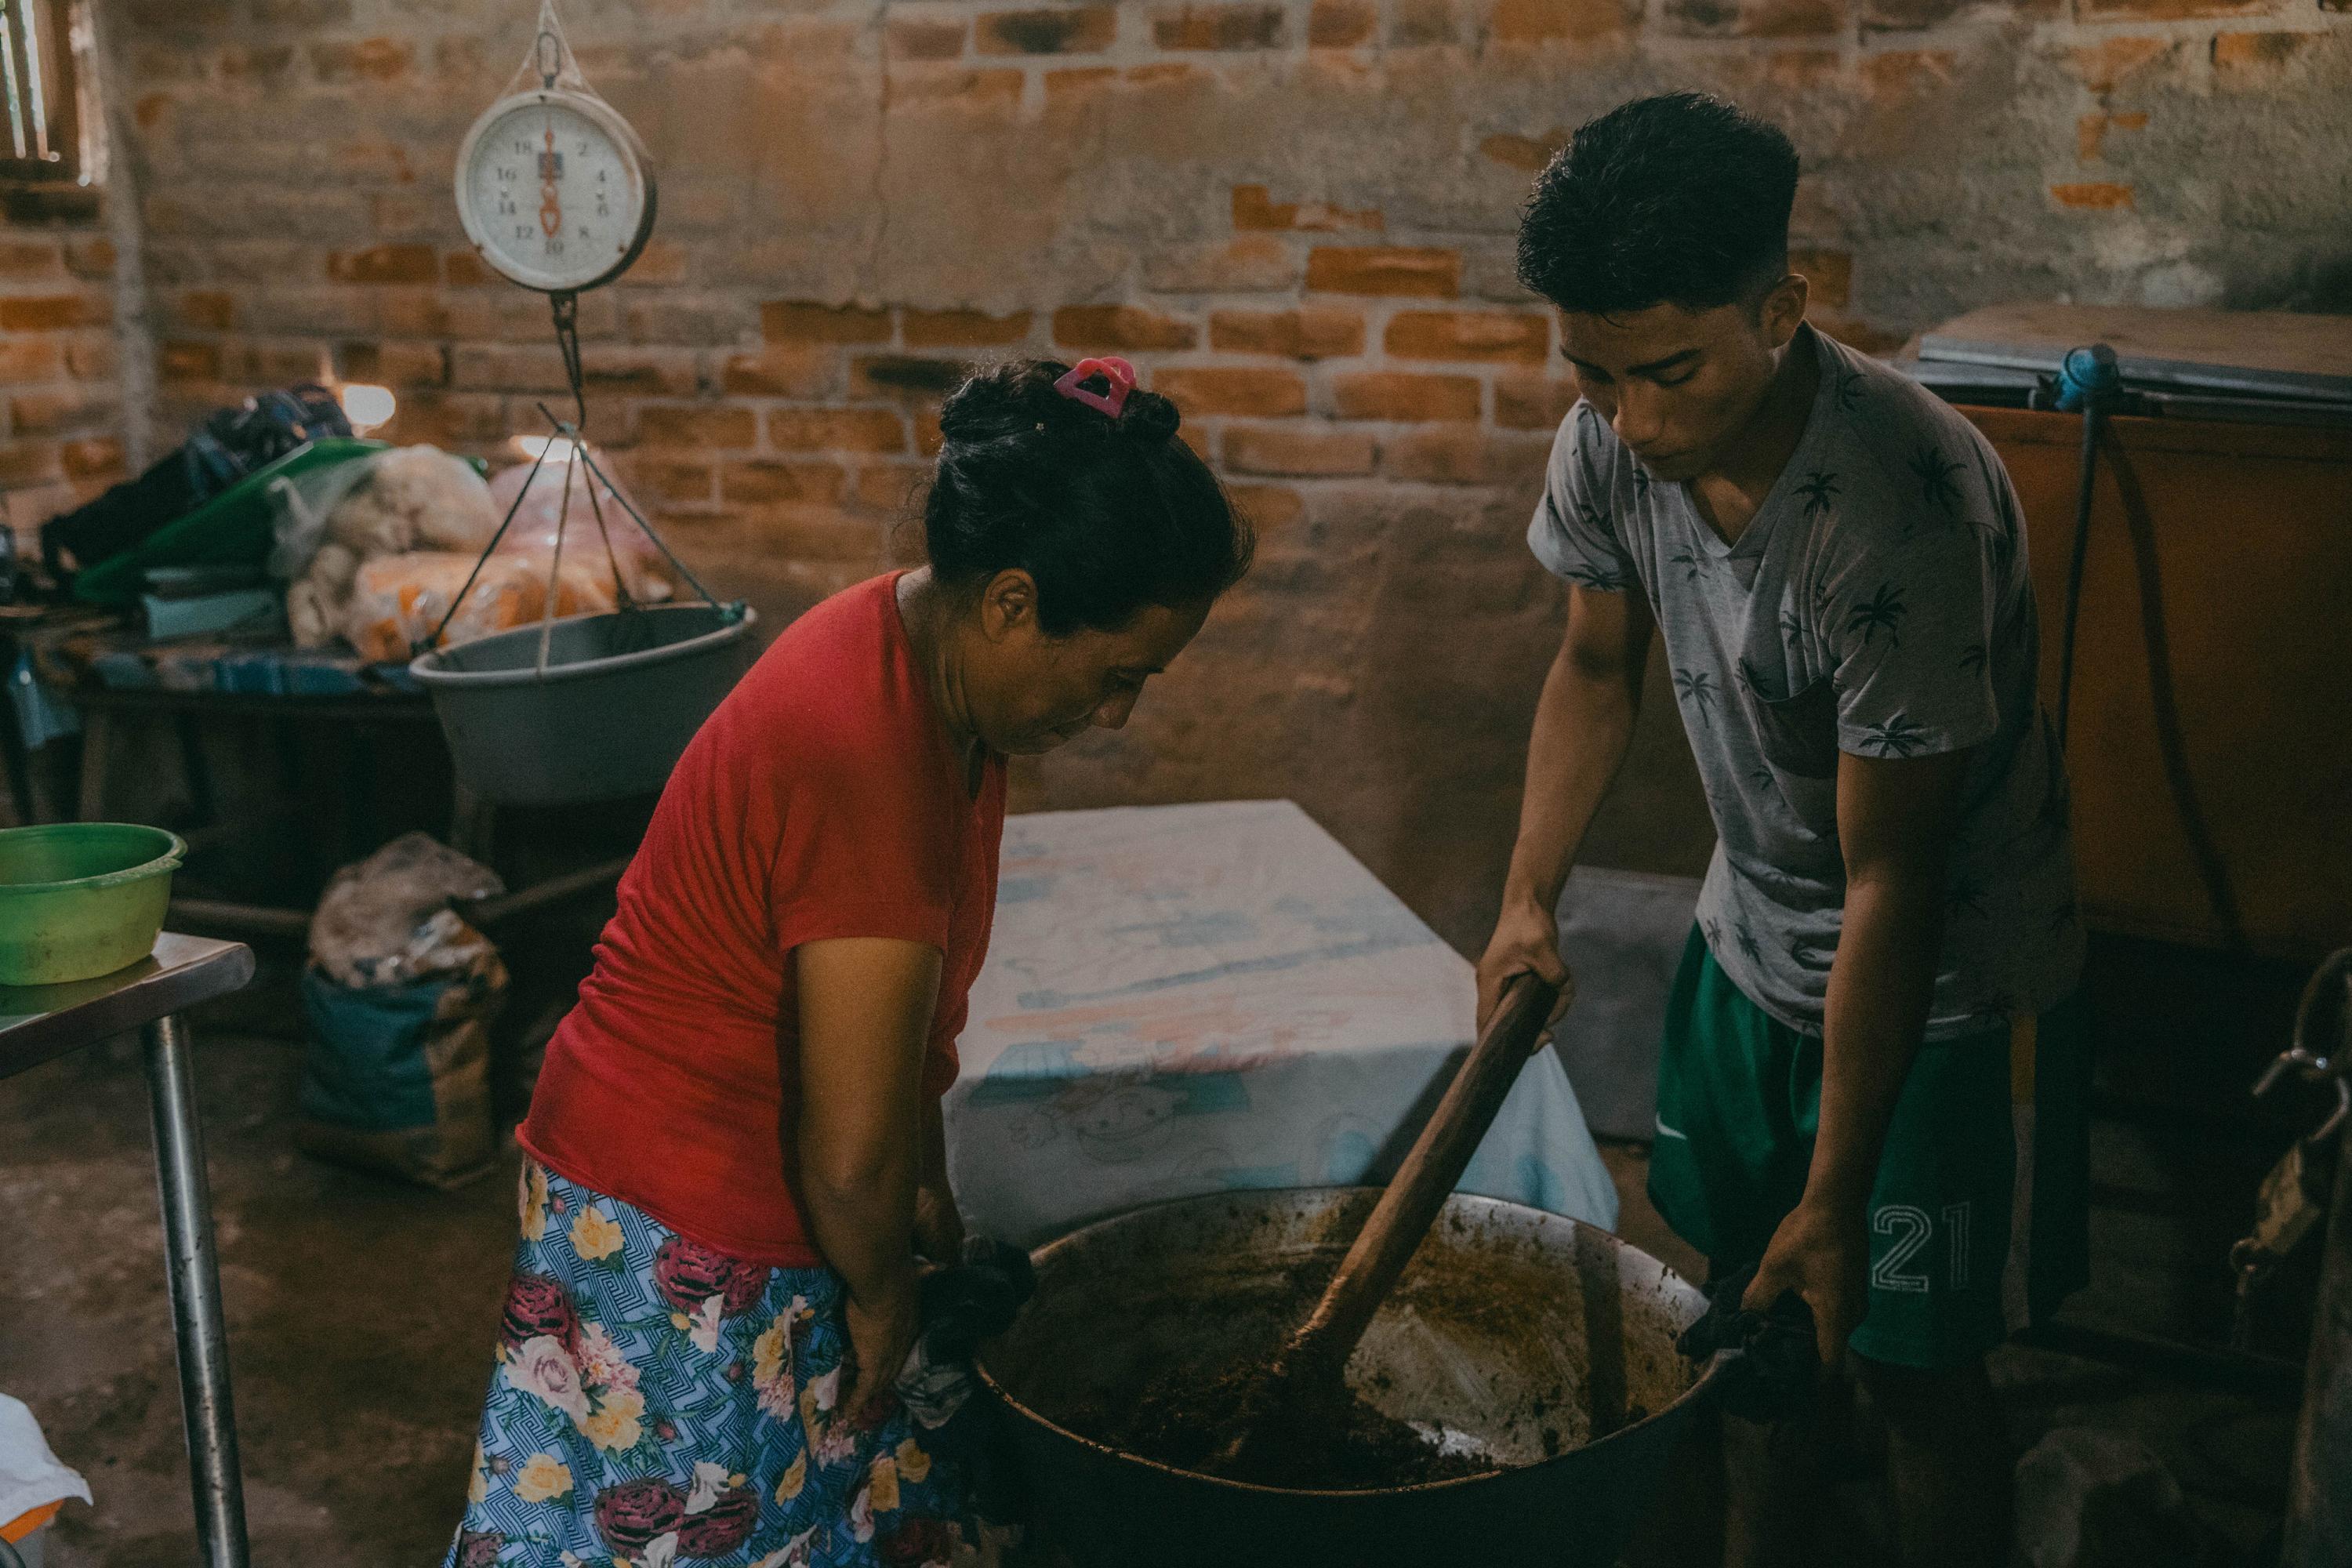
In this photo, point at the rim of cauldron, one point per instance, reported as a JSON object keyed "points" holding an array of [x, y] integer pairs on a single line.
{"points": [[1699, 1385]]}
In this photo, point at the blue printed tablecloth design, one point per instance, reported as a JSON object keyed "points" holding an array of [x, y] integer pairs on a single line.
{"points": [[1187, 999]]}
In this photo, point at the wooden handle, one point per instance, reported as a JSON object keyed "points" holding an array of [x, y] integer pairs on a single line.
{"points": [[1422, 1182]]}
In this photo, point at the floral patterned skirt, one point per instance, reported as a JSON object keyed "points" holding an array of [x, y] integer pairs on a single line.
{"points": [[658, 1403]]}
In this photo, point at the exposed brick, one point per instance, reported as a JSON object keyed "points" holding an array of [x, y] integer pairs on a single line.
{"points": [[1297, 451], [762, 480], [1314, 331], [1224, 390], [1422, 24], [1469, 335], [50, 413], [274, 364], [643, 371], [781, 371], [662, 264], [664, 316], [2167, 10], [2096, 195], [1254, 208], [1268, 507], [188, 361], [180, 18], [2239, 57], [2091, 130], [1064, 30], [669, 479], [467, 269], [903, 375], [454, 418], [1896, 74], [386, 264], [24, 258], [925, 37], [1754, 19], [302, 13], [96, 457], [1407, 271], [1213, 27], [53, 312], [23, 360], [1074, 88], [90, 257], [1458, 455], [1559, 21], [701, 425], [793, 320], [968, 91], [367, 60], [1117, 327], [837, 430], [1402, 396], [507, 367], [394, 365], [1528, 154], [962, 328], [928, 436], [1341, 23], [1532, 403], [889, 486], [26, 463], [823, 533], [2103, 66], [205, 308], [1250, 263], [91, 359]]}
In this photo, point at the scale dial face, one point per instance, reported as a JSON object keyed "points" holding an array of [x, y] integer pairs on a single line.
{"points": [[555, 190]]}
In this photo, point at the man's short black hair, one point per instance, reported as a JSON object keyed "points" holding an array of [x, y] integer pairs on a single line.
{"points": [[1680, 199]]}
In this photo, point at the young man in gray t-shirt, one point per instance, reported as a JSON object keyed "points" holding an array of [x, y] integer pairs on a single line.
{"points": [[1872, 1081]]}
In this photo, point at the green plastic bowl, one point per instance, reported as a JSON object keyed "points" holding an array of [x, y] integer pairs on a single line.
{"points": [[78, 899]]}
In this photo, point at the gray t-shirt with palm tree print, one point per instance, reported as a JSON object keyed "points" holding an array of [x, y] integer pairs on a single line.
{"points": [[1877, 604]]}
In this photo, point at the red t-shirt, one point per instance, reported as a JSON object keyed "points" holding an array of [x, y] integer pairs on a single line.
{"points": [[822, 799]]}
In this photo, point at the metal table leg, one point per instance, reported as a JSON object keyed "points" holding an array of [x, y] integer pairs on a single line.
{"points": [[195, 1295]]}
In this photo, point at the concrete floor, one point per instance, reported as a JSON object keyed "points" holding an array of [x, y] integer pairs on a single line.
{"points": [[360, 1315]]}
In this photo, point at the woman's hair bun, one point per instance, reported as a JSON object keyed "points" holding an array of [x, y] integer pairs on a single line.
{"points": [[1010, 398], [1108, 516], [1147, 417]]}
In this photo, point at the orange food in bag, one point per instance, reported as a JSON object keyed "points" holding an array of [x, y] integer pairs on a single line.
{"points": [[398, 600]]}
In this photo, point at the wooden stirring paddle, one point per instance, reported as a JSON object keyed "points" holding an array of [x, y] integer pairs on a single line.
{"points": [[1305, 1378]]}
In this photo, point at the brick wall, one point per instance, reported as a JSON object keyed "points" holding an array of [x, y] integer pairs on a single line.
{"points": [[1295, 216], [60, 397]]}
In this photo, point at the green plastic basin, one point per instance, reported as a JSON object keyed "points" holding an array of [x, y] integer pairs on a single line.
{"points": [[78, 899]]}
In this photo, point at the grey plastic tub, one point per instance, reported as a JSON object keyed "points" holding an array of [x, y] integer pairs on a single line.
{"points": [[622, 695]]}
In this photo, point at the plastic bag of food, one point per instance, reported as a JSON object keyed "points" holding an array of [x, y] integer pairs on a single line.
{"points": [[534, 532], [335, 520], [397, 601], [400, 994]]}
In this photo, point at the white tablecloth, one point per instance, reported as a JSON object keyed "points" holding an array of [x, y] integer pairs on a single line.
{"points": [[1191, 999]]}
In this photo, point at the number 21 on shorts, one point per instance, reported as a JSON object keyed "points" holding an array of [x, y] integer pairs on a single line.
{"points": [[1906, 1239]]}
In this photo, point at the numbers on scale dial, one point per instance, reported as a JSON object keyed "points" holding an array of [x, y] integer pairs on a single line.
{"points": [[554, 189]]}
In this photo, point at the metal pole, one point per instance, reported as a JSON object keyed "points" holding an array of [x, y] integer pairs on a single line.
{"points": [[195, 1295], [2319, 1482]]}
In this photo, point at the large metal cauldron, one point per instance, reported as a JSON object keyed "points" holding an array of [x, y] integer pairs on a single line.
{"points": [[1512, 1330]]}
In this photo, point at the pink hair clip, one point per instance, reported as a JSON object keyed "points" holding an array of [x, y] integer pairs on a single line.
{"points": [[1116, 372]]}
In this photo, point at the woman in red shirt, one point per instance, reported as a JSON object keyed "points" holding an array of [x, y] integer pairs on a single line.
{"points": [[735, 1152]]}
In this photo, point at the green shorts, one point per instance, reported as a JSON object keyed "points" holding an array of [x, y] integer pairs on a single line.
{"points": [[1980, 1220]]}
